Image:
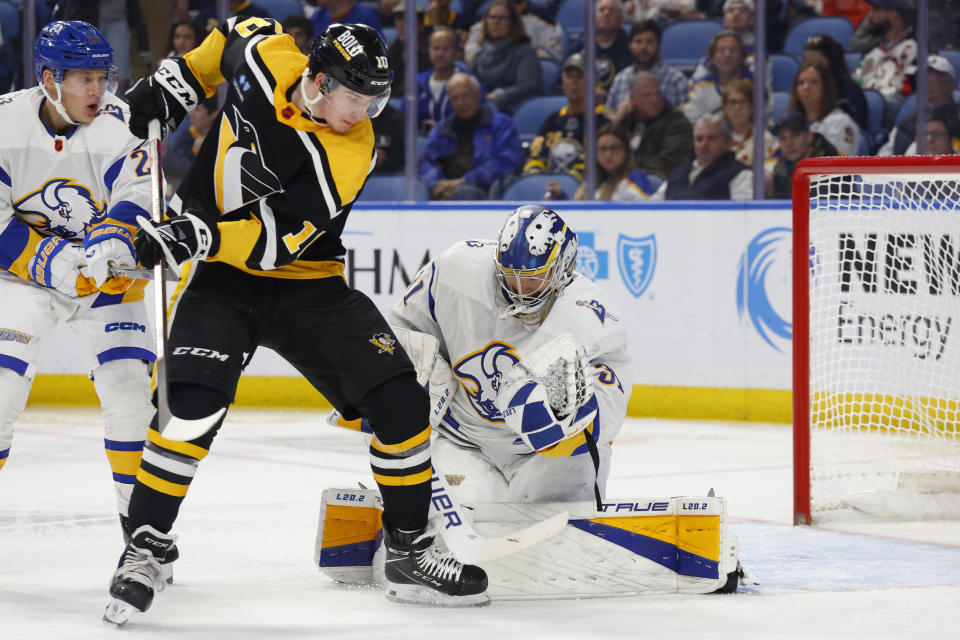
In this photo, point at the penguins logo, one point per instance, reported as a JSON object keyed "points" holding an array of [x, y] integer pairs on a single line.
{"points": [[61, 206], [240, 175], [384, 342]]}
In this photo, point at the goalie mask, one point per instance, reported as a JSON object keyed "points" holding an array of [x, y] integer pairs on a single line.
{"points": [[536, 253]]}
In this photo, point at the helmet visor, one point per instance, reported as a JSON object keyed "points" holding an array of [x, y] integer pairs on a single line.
{"points": [[89, 82], [347, 101]]}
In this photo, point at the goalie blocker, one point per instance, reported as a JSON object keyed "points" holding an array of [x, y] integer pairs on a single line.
{"points": [[630, 547]]}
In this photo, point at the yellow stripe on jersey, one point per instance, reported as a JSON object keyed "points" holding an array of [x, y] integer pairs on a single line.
{"points": [[161, 485], [19, 266], [566, 447], [354, 151], [204, 61], [406, 445], [404, 481], [185, 448]]}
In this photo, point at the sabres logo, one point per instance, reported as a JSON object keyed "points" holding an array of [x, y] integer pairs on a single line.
{"points": [[480, 374], [598, 309], [62, 207], [384, 342]]}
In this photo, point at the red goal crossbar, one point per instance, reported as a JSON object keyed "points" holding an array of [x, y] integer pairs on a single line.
{"points": [[843, 165]]}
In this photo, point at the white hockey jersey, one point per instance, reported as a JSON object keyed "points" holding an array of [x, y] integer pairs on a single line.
{"points": [[457, 299], [65, 185]]}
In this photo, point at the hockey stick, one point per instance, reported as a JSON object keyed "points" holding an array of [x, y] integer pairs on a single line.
{"points": [[170, 426], [138, 273], [461, 538]]}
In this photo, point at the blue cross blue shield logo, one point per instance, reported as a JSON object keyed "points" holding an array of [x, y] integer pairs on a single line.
{"points": [[637, 259]]}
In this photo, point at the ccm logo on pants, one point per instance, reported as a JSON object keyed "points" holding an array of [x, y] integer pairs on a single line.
{"points": [[200, 351], [124, 326]]}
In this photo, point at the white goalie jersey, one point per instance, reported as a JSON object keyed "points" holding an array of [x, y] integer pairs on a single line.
{"points": [[457, 299], [65, 185]]}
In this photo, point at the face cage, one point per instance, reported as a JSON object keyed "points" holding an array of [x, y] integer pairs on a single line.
{"points": [[330, 84], [529, 306]]}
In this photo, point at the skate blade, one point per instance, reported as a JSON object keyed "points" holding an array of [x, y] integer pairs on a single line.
{"points": [[415, 594], [118, 612]]}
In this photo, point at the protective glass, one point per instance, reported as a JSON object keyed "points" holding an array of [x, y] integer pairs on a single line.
{"points": [[89, 82]]}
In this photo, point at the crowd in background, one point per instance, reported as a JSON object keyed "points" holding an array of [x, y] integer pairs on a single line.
{"points": [[501, 87]]}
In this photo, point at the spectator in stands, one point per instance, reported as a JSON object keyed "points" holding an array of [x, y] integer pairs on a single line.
{"points": [[331, 11], [940, 88], [439, 13], [207, 16], [796, 142], [612, 45], [544, 34], [184, 36], [727, 61], [645, 48], [814, 96], [944, 25], [868, 33], [884, 68], [662, 11], [182, 145], [397, 49], [661, 137], [738, 110], [739, 17], [712, 173], [385, 10], [433, 104], [506, 63], [472, 149], [558, 147], [300, 29], [389, 130], [942, 137], [619, 179], [827, 52]]}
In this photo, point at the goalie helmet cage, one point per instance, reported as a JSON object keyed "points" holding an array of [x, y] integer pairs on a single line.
{"points": [[876, 316]]}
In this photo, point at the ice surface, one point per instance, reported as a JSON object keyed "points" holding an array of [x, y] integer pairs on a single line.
{"points": [[247, 533]]}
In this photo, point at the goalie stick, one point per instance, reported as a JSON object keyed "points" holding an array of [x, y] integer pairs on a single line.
{"points": [[170, 426], [469, 546]]}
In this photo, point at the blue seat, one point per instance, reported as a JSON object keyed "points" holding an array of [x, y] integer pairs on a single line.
{"points": [[281, 9], [853, 60], [837, 27], [655, 180], [784, 69], [875, 108], [531, 114], [389, 34], [684, 42], [532, 188], [780, 101], [390, 187], [549, 77], [863, 149], [570, 14], [9, 22], [953, 57], [907, 107]]}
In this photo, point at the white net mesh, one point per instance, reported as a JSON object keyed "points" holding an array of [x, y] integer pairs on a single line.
{"points": [[884, 336]]}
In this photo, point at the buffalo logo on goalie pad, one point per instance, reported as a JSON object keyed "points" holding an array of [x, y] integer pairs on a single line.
{"points": [[62, 206], [480, 374], [637, 258], [384, 342]]}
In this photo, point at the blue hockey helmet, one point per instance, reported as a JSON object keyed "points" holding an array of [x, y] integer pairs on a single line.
{"points": [[536, 254], [72, 44]]}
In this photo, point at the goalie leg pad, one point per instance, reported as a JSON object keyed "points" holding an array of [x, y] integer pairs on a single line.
{"points": [[349, 534]]}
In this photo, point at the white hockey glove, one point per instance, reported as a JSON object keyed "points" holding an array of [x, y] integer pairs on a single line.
{"points": [[58, 265], [179, 239], [433, 371], [106, 246], [548, 396]]}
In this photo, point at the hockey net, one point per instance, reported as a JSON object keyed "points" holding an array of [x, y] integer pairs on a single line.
{"points": [[876, 292]]}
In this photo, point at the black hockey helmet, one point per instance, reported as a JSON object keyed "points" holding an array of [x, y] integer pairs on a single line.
{"points": [[355, 56]]}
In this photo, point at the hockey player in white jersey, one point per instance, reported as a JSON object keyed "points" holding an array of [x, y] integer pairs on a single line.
{"points": [[534, 375], [72, 181]]}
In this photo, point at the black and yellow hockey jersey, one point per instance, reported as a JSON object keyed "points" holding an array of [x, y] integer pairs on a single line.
{"points": [[278, 185]]}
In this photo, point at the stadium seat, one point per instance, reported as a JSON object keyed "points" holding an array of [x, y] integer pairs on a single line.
{"points": [[864, 148], [684, 42], [953, 57], [780, 101], [389, 187], [875, 108], [9, 22], [549, 77], [906, 108], [532, 188], [389, 34], [784, 69], [570, 14], [837, 27], [853, 60], [280, 9], [531, 114], [655, 180]]}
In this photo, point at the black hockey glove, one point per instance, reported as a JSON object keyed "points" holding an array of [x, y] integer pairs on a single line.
{"points": [[166, 95], [179, 239]]}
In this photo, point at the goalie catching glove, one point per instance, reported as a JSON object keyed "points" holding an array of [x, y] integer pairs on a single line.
{"points": [[179, 239], [548, 396]]}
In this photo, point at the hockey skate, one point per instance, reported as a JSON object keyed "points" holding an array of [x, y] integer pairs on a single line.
{"points": [[173, 554], [419, 572], [139, 574]]}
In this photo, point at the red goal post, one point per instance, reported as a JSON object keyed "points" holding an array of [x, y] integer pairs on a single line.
{"points": [[877, 408]]}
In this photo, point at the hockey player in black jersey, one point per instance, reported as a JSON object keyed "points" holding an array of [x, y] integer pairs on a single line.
{"points": [[255, 227]]}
